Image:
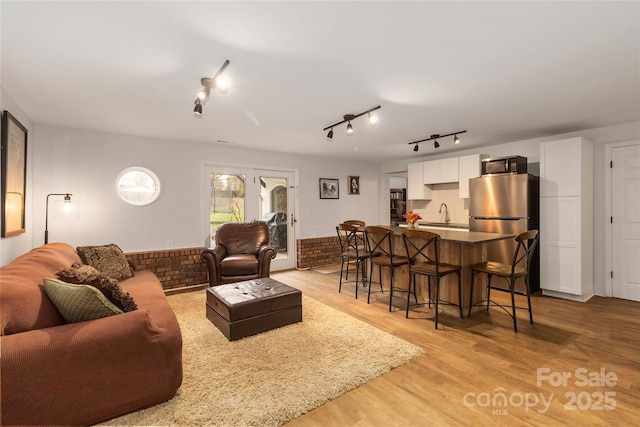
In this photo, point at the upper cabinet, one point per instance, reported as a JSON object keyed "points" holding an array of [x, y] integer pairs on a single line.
{"points": [[468, 167], [563, 165], [416, 190], [441, 171]]}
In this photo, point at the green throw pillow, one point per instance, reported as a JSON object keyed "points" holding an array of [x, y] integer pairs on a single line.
{"points": [[78, 303]]}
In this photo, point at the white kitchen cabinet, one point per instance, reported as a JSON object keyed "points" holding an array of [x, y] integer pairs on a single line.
{"points": [[431, 172], [563, 165], [566, 219], [441, 171], [416, 190], [468, 167]]}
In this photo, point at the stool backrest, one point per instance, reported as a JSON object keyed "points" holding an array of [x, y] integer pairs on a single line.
{"points": [[349, 240], [421, 246], [356, 222], [527, 242], [379, 241]]}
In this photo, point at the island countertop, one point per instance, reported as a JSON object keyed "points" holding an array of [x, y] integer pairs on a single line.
{"points": [[460, 236]]}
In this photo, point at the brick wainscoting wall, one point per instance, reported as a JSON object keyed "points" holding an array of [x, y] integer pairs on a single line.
{"points": [[176, 268], [179, 268], [318, 251]]}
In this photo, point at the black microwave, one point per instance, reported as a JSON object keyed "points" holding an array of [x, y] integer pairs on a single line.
{"points": [[510, 165]]}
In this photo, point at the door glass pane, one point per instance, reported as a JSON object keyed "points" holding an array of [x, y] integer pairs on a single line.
{"points": [[273, 210], [227, 199]]}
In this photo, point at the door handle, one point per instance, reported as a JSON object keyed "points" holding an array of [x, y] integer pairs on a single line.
{"points": [[293, 220]]}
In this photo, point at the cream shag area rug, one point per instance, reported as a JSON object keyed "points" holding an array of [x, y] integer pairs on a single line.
{"points": [[274, 377]]}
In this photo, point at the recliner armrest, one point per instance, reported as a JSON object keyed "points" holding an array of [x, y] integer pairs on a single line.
{"points": [[213, 257], [265, 255]]}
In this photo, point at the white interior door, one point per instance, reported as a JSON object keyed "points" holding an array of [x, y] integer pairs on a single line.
{"points": [[236, 194], [625, 212]]}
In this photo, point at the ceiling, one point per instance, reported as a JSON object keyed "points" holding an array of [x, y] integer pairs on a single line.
{"points": [[503, 71]]}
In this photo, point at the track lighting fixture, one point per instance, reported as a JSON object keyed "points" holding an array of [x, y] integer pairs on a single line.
{"points": [[347, 118], [217, 81], [435, 138]]}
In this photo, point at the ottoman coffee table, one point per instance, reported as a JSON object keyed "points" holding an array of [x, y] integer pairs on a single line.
{"points": [[248, 308]]}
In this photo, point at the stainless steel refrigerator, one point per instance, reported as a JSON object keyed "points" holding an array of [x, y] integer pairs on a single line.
{"points": [[506, 204]]}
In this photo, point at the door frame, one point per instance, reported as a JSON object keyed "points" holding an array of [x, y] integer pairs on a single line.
{"points": [[608, 228], [205, 199]]}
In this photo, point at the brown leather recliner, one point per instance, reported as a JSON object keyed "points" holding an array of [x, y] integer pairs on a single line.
{"points": [[242, 252]]}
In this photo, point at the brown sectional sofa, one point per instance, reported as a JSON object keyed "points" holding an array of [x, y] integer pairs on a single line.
{"points": [[81, 373]]}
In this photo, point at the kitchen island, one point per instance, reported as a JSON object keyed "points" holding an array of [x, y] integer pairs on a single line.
{"points": [[463, 248]]}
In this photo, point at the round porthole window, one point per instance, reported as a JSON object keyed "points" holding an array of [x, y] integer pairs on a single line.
{"points": [[138, 186]]}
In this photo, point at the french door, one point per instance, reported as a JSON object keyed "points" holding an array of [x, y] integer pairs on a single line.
{"points": [[237, 194]]}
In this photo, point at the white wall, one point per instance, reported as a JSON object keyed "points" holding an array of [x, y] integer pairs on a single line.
{"points": [[86, 163], [11, 247], [531, 149]]}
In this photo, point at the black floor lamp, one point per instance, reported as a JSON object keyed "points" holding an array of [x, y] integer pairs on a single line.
{"points": [[67, 201]]}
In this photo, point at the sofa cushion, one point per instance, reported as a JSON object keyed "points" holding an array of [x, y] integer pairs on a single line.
{"points": [[108, 259], [24, 305], [82, 274], [79, 303]]}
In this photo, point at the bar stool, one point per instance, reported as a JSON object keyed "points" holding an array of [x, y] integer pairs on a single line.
{"points": [[351, 249], [422, 252], [381, 254], [359, 224], [519, 267]]}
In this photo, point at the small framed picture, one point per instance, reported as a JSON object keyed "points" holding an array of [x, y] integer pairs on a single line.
{"points": [[354, 185], [329, 188]]}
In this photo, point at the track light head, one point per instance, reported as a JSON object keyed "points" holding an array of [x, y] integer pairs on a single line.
{"points": [[349, 129], [416, 148], [222, 84], [456, 140], [436, 144], [373, 119], [203, 94], [197, 111], [330, 134]]}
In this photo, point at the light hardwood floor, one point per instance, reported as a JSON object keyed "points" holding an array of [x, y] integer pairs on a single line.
{"points": [[477, 371]]}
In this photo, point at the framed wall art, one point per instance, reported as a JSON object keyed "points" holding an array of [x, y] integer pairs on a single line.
{"points": [[329, 188], [354, 184], [14, 175]]}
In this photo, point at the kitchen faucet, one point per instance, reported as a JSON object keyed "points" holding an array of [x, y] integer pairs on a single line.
{"points": [[446, 212]]}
